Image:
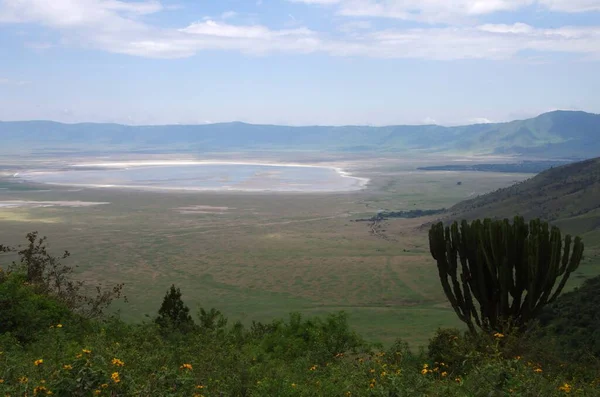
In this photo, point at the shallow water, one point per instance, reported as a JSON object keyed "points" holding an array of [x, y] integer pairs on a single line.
{"points": [[241, 177]]}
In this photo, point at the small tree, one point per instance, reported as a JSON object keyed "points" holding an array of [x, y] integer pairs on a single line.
{"points": [[510, 269], [173, 313], [49, 276]]}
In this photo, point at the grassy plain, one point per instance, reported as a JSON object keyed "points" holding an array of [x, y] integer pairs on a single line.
{"points": [[266, 254]]}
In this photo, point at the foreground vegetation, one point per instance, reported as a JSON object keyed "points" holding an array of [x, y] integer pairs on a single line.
{"points": [[52, 342]]}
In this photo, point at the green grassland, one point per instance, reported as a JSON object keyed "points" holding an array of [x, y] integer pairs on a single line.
{"points": [[266, 254]]}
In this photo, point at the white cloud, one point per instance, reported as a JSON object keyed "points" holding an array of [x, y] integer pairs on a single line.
{"points": [[115, 26], [571, 5], [216, 29], [517, 28], [74, 13], [445, 11], [429, 11]]}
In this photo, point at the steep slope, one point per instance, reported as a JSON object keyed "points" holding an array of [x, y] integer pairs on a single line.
{"points": [[555, 134], [568, 195]]}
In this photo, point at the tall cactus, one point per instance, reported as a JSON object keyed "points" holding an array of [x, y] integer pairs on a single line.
{"points": [[510, 269]]}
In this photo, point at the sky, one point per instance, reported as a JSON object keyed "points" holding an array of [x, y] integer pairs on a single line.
{"points": [[297, 62]]}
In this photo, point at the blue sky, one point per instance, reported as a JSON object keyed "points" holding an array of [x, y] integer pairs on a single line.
{"points": [[298, 62]]}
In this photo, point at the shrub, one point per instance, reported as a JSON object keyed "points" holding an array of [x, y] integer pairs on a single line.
{"points": [[25, 313]]}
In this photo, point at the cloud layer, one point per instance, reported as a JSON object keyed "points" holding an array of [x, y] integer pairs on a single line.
{"points": [[436, 11], [121, 27]]}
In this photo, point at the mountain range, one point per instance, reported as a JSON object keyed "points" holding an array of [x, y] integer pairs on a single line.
{"points": [[558, 134]]}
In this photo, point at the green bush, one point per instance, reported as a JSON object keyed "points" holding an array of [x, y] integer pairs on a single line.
{"points": [[448, 346], [25, 313]]}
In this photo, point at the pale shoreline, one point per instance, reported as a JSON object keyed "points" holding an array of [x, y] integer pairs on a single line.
{"points": [[36, 204], [360, 184]]}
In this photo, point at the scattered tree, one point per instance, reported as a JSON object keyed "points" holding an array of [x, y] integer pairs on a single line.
{"points": [[173, 313]]}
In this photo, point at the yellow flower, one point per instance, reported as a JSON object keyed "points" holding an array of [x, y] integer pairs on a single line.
{"points": [[104, 385], [115, 377], [444, 373], [58, 325], [313, 368], [566, 388], [97, 391], [498, 335], [372, 385], [39, 389], [348, 393], [1, 381], [200, 387], [383, 373], [425, 365], [38, 362], [458, 380], [23, 379], [78, 355], [86, 351], [372, 371], [293, 385], [68, 367], [537, 370], [186, 366], [118, 363], [424, 371]]}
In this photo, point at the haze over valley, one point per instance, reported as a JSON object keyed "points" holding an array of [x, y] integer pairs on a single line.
{"points": [[299, 198]]}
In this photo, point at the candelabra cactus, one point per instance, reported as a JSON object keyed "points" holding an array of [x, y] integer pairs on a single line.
{"points": [[511, 270]]}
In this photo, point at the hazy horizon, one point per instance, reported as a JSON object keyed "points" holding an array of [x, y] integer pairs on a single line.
{"points": [[297, 125]]}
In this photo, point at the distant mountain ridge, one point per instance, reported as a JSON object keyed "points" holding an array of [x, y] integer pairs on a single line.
{"points": [[552, 135]]}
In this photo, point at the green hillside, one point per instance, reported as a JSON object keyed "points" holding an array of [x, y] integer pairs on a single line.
{"points": [[568, 195], [556, 134]]}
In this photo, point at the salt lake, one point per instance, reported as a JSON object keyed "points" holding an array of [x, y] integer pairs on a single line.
{"points": [[202, 176]]}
